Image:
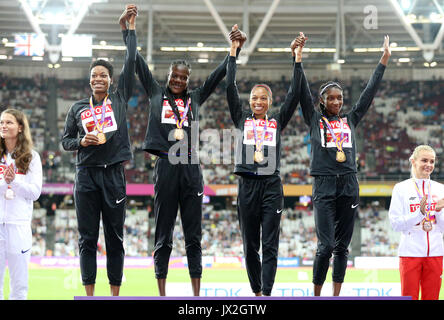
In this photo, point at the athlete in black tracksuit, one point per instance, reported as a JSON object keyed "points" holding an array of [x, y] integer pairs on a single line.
{"points": [[100, 186], [260, 191], [178, 180], [335, 186]]}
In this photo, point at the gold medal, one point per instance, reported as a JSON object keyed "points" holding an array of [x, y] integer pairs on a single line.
{"points": [[258, 156], [427, 225], [340, 156], [179, 134], [102, 137]]}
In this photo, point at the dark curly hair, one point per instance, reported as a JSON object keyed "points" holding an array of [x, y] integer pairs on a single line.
{"points": [[184, 63], [104, 63]]}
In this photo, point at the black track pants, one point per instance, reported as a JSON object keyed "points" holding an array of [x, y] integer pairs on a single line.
{"points": [[101, 191], [178, 186], [260, 205], [335, 204]]}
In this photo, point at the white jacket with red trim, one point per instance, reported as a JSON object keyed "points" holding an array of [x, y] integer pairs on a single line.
{"points": [[27, 188], [405, 216]]}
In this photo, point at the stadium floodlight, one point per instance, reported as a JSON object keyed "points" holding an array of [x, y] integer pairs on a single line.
{"points": [[436, 17], [193, 49], [54, 18], [394, 48], [405, 4], [305, 49]]}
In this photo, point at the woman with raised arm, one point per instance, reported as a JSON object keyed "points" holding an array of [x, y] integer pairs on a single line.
{"points": [[96, 127], [333, 166], [178, 180], [260, 190]]}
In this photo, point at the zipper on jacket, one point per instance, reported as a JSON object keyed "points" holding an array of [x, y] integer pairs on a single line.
{"points": [[428, 244], [428, 239]]}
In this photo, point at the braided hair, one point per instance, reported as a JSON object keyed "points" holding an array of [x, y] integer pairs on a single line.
{"points": [[322, 91], [177, 63], [180, 62]]}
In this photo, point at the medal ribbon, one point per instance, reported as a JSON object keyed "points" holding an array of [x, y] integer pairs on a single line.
{"points": [[179, 122], [99, 124], [5, 159], [259, 142], [428, 209], [333, 135]]}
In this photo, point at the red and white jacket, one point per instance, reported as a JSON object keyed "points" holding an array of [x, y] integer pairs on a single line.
{"points": [[27, 188], [405, 216]]}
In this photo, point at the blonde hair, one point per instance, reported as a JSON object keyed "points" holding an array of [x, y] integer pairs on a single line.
{"points": [[23, 150], [415, 156]]}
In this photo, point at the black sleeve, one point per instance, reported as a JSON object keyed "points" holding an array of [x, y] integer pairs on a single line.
{"points": [[366, 97], [214, 79], [293, 96], [127, 77], [307, 105], [142, 70], [233, 98], [70, 139]]}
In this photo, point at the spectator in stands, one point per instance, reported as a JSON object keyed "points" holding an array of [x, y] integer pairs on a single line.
{"points": [[20, 186], [97, 129], [178, 180], [333, 165], [414, 212], [260, 191]]}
